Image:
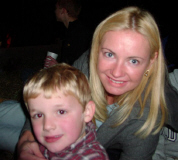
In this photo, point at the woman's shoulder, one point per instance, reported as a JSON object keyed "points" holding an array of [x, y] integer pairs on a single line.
{"points": [[133, 118], [135, 113], [82, 63], [124, 134]]}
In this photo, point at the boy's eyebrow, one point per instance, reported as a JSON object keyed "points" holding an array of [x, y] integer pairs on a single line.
{"points": [[57, 106], [32, 110], [60, 105]]}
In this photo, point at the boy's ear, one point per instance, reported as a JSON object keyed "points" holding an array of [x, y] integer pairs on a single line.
{"points": [[89, 111]]}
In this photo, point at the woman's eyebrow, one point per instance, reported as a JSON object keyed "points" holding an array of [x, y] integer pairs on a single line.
{"points": [[135, 57], [108, 50]]}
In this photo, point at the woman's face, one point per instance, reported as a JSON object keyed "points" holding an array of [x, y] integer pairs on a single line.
{"points": [[123, 58]]}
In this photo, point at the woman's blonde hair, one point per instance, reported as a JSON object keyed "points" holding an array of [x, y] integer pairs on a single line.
{"points": [[69, 80], [141, 21]]}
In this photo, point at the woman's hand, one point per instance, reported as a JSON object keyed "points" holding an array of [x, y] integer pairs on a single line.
{"points": [[49, 61], [28, 148]]}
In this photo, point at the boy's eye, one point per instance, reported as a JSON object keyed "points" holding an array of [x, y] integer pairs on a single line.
{"points": [[38, 115], [61, 112]]}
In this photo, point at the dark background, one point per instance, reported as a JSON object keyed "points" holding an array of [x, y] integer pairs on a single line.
{"points": [[33, 29], [33, 22]]}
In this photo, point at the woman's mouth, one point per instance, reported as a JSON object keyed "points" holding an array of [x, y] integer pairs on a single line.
{"points": [[116, 81]]}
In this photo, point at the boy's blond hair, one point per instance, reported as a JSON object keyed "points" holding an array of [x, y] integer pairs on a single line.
{"points": [[69, 80]]}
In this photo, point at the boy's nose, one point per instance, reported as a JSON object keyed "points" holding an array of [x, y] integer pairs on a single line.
{"points": [[48, 124]]}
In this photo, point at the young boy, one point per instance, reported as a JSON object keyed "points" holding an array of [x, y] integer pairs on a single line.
{"points": [[59, 103]]}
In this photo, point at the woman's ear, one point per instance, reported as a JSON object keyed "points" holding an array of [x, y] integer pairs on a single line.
{"points": [[89, 111], [152, 60]]}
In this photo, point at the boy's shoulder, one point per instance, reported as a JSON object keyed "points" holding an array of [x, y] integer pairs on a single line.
{"points": [[89, 147], [91, 151]]}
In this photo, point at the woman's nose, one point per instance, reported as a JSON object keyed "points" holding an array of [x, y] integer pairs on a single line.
{"points": [[118, 69]]}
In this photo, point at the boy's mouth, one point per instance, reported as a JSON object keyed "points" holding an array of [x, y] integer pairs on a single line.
{"points": [[51, 139]]}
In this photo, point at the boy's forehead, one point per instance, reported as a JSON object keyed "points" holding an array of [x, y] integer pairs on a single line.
{"points": [[45, 105], [56, 94]]}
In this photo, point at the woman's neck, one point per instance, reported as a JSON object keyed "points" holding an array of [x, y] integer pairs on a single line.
{"points": [[110, 98]]}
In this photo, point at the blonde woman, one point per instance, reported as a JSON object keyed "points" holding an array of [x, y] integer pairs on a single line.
{"points": [[127, 78]]}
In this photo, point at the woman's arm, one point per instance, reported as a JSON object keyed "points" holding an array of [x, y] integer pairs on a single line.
{"points": [[27, 147]]}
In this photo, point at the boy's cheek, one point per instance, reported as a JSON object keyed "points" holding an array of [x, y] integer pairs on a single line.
{"points": [[37, 129]]}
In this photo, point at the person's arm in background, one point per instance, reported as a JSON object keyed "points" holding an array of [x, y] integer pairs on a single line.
{"points": [[12, 120], [49, 61]]}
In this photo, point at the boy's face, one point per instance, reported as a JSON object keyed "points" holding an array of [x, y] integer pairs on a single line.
{"points": [[57, 122]]}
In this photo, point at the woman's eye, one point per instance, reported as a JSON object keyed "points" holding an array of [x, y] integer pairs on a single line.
{"points": [[108, 54], [134, 61], [38, 115], [61, 112]]}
